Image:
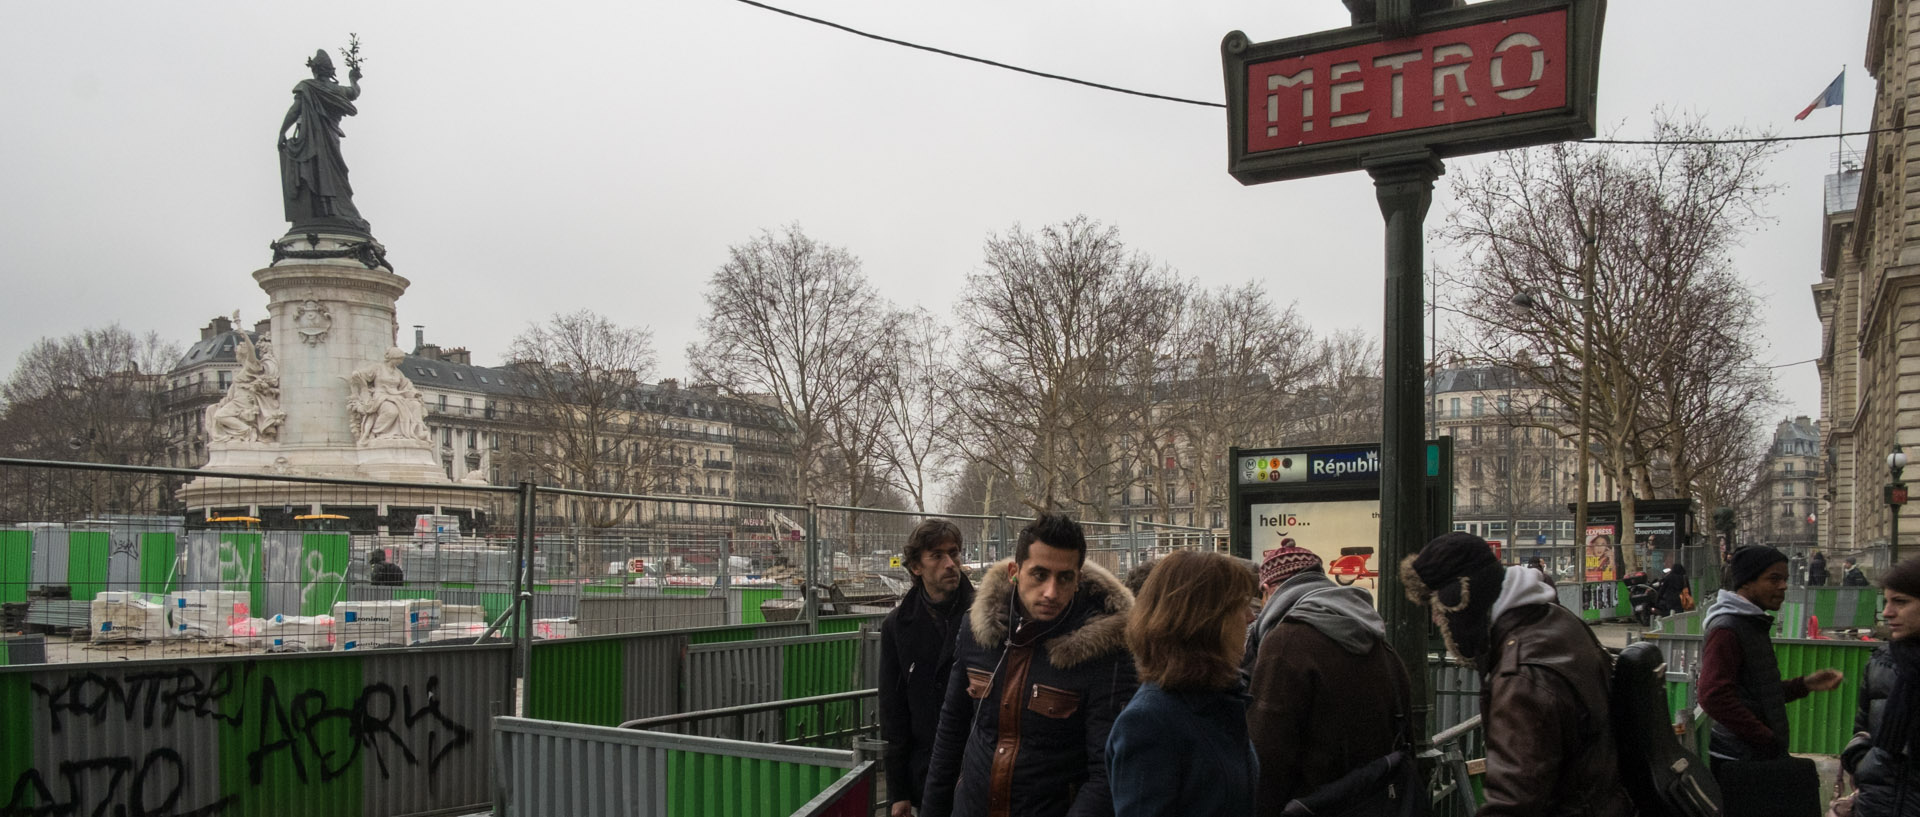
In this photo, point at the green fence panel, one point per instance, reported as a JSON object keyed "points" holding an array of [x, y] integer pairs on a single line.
{"points": [[16, 565], [819, 668], [721, 636], [684, 591], [307, 752], [1822, 722], [495, 604], [578, 682], [87, 553], [159, 562], [704, 785], [1679, 699], [16, 741], [600, 588], [324, 558], [750, 601]]}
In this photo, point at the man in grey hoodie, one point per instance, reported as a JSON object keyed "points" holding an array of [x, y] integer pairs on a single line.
{"points": [[1329, 694]]}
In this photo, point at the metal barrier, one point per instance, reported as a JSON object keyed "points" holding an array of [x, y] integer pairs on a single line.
{"points": [[829, 722], [388, 732], [548, 769], [1820, 723], [1451, 785]]}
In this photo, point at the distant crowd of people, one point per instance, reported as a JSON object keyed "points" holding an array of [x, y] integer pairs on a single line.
{"points": [[1206, 685]]}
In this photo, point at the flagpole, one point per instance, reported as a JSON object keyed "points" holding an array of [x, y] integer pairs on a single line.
{"points": [[1841, 136]]}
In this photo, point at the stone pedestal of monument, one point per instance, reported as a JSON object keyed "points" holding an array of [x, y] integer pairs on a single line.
{"points": [[331, 300]]}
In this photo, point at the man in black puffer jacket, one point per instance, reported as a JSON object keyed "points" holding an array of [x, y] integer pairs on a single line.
{"points": [[916, 656], [1881, 756], [1040, 673]]}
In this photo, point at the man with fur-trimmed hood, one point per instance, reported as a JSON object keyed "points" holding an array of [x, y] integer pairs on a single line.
{"points": [[1545, 681], [1041, 670]]}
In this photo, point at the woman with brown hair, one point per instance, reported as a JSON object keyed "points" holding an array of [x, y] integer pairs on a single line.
{"points": [[1181, 746]]}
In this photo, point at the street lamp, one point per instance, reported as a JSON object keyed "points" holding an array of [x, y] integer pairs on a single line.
{"points": [[1896, 497]]}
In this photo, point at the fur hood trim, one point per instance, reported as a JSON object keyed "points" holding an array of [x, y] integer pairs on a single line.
{"points": [[1099, 632], [1417, 590]]}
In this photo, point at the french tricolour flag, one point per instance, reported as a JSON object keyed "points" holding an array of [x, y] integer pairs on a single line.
{"points": [[1835, 94]]}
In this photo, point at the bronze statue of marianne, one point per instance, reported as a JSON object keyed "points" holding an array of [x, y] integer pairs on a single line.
{"points": [[313, 175]]}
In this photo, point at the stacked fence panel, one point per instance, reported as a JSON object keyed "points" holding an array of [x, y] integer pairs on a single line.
{"points": [[396, 733]]}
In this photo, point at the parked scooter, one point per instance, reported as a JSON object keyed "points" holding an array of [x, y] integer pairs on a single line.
{"points": [[1641, 595]]}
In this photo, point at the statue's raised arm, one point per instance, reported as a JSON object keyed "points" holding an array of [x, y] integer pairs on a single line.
{"points": [[313, 174]]}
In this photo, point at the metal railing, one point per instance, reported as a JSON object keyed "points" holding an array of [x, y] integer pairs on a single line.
{"points": [[834, 727], [1452, 780]]}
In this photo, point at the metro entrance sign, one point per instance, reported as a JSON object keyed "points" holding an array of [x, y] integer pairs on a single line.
{"points": [[1486, 76], [1410, 83]]}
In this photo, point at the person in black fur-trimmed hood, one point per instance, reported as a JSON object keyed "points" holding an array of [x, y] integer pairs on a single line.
{"points": [[1546, 679], [1040, 672]]}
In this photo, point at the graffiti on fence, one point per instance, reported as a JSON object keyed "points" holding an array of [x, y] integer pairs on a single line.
{"points": [[320, 737]]}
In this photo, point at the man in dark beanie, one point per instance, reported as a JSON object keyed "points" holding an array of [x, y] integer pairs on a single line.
{"points": [[1740, 684], [1545, 680]]}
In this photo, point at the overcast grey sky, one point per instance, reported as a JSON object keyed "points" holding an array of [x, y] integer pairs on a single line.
{"points": [[520, 159]]}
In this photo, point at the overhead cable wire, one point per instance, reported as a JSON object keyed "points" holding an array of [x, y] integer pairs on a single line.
{"points": [[983, 61], [1202, 103]]}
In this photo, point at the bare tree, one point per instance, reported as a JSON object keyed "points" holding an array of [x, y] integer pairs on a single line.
{"points": [[918, 392], [1664, 297], [797, 322], [1337, 398], [580, 379], [93, 396], [1058, 329], [1239, 361]]}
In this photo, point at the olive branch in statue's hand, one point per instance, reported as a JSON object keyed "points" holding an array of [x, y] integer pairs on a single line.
{"points": [[351, 56]]}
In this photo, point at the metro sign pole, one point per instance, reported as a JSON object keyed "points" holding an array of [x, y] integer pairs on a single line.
{"points": [[1393, 95]]}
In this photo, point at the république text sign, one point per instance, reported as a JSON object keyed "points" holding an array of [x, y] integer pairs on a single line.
{"points": [[1486, 76]]}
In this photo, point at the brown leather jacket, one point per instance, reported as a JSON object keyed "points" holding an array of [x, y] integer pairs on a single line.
{"points": [[1550, 750]]}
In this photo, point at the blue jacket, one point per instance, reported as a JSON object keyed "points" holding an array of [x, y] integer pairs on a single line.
{"points": [[1182, 753]]}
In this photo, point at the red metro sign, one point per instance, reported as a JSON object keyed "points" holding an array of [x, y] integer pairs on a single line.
{"points": [[1488, 76]]}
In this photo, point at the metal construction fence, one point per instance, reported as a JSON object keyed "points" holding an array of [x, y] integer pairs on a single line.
{"points": [[550, 769], [393, 731], [372, 732], [113, 563]]}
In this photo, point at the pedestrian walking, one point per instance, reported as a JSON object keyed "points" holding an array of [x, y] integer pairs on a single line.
{"points": [[1852, 575], [1817, 570], [1181, 747], [1741, 689], [916, 656], [1676, 594], [1545, 681], [382, 572], [1540, 564], [1329, 695], [1040, 671], [1881, 756]]}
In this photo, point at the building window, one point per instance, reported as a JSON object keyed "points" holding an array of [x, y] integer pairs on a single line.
{"points": [[1500, 466], [1788, 467], [443, 402], [1474, 435], [1456, 406], [1476, 466], [1786, 489], [1475, 496], [1479, 406]]}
